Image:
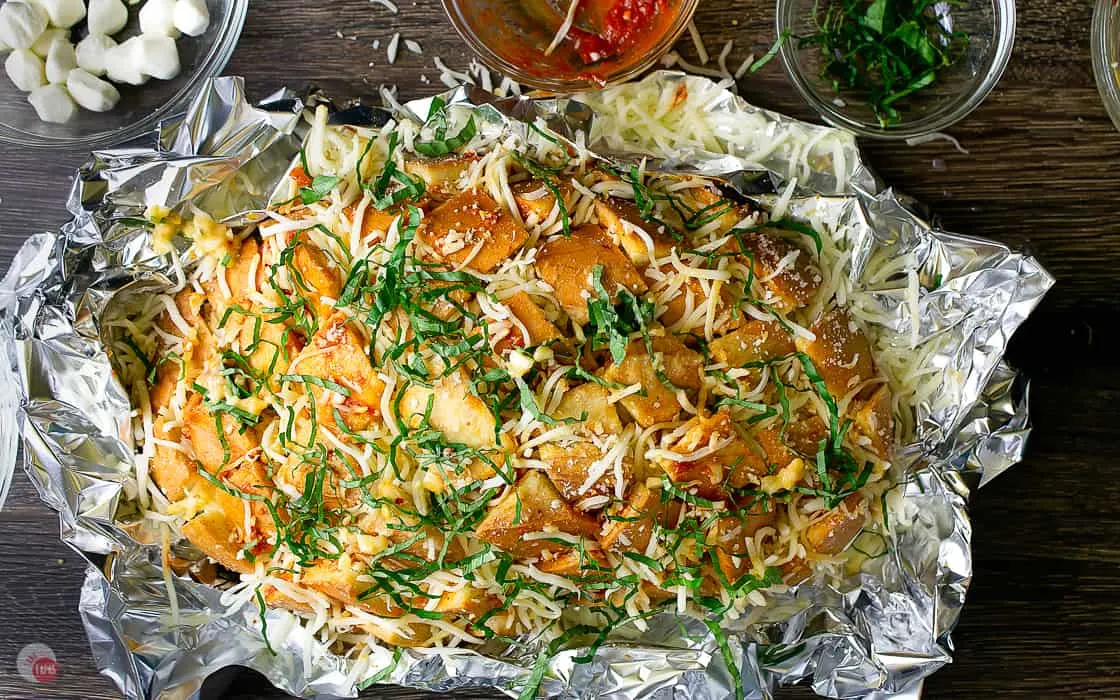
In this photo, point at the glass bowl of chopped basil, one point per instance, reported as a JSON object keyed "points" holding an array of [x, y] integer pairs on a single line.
{"points": [[895, 68]]}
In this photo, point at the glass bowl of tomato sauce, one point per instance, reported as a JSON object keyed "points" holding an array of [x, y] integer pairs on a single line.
{"points": [[570, 45]]}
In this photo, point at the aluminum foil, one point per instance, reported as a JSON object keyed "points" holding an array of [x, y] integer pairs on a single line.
{"points": [[875, 635]]}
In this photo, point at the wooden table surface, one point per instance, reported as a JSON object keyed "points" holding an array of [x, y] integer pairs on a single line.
{"points": [[1042, 618]]}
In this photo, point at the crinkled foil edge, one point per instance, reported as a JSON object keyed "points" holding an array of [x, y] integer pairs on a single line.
{"points": [[877, 636]]}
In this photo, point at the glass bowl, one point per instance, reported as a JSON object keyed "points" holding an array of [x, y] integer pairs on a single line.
{"points": [[141, 107], [957, 90], [1105, 41], [509, 40]]}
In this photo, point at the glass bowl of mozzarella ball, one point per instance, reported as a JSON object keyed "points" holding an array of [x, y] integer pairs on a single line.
{"points": [[91, 73]]}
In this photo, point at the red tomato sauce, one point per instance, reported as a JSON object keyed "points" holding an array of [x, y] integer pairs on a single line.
{"points": [[626, 32], [624, 26]]}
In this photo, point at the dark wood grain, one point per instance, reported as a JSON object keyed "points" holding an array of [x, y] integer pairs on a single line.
{"points": [[1042, 619]]}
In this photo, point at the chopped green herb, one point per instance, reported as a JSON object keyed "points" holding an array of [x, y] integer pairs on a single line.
{"points": [[771, 53], [545, 175], [317, 381], [320, 187], [611, 324], [440, 146], [643, 559], [728, 657], [264, 620], [529, 403], [773, 654], [885, 50], [384, 673], [540, 666], [408, 187], [149, 366]]}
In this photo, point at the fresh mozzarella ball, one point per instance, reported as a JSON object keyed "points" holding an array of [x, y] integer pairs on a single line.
{"points": [[63, 13], [42, 45], [107, 16], [60, 61], [158, 17], [25, 70], [91, 53], [159, 56], [21, 24], [91, 92], [191, 17], [53, 103], [123, 63]]}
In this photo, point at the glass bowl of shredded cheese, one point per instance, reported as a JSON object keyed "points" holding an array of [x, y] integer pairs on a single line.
{"points": [[53, 97], [570, 45], [1106, 55], [895, 70]]}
